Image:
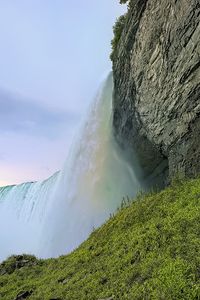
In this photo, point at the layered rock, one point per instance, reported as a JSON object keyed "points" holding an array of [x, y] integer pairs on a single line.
{"points": [[156, 69]]}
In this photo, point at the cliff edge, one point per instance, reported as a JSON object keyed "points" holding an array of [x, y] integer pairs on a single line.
{"points": [[156, 69]]}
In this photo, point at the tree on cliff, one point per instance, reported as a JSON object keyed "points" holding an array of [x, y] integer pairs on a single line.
{"points": [[117, 30]]}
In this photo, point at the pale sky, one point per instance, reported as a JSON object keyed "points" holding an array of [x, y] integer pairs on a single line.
{"points": [[53, 55]]}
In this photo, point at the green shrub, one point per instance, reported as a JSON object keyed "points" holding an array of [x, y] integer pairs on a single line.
{"points": [[17, 262], [117, 30]]}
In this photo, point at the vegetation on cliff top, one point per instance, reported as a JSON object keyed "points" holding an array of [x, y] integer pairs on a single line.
{"points": [[149, 250], [117, 31], [123, 1]]}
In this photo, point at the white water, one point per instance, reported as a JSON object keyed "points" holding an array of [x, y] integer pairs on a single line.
{"points": [[53, 217]]}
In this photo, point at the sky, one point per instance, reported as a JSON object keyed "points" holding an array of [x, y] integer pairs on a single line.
{"points": [[53, 56]]}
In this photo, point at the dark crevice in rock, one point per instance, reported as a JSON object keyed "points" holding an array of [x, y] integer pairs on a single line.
{"points": [[189, 71]]}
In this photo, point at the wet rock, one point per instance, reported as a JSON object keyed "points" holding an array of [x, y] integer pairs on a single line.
{"points": [[156, 71], [23, 295], [63, 280]]}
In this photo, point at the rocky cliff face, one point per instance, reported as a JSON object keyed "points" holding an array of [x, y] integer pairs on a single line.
{"points": [[156, 70]]}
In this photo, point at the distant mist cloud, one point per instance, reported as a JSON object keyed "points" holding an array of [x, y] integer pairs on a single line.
{"points": [[19, 115]]}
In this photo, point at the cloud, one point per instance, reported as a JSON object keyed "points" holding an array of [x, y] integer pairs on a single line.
{"points": [[34, 140], [20, 115]]}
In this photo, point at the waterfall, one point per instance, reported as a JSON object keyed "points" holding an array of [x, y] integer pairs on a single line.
{"points": [[53, 217]]}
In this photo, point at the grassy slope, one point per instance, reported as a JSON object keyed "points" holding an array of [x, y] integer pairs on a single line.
{"points": [[149, 250]]}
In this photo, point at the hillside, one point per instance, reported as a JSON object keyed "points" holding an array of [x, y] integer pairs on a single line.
{"points": [[148, 250]]}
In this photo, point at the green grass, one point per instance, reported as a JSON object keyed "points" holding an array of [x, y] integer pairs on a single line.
{"points": [[149, 250]]}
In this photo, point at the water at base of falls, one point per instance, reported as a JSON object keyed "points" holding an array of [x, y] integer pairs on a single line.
{"points": [[53, 217]]}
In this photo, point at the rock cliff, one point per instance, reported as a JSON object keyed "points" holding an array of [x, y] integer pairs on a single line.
{"points": [[156, 69]]}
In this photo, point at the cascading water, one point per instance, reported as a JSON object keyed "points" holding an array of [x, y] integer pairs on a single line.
{"points": [[22, 215], [53, 217]]}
